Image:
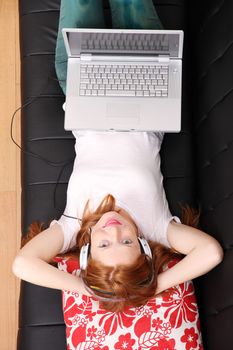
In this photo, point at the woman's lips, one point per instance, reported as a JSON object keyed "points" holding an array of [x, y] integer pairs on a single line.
{"points": [[110, 222]]}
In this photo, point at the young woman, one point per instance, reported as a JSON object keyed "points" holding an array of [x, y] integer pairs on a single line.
{"points": [[117, 288], [127, 166], [117, 221]]}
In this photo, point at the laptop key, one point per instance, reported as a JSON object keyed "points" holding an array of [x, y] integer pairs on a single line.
{"points": [[86, 81], [117, 93]]}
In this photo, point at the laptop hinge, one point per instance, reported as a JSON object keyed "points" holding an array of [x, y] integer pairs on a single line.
{"points": [[163, 59], [86, 56], [90, 57]]}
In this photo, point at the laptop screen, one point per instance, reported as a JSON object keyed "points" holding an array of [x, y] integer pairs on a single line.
{"points": [[123, 43]]}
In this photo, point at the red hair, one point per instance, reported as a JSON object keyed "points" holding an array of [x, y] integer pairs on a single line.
{"points": [[130, 285]]}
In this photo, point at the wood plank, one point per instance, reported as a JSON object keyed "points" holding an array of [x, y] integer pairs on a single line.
{"points": [[7, 92], [10, 176], [8, 290]]}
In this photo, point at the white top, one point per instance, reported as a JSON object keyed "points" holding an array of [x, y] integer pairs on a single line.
{"points": [[126, 165]]}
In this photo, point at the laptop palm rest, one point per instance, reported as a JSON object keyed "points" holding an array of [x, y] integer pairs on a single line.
{"points": [[123, 112]]}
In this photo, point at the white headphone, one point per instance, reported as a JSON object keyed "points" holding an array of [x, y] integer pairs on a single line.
{"points": [[145, 246], [83, 257], [84, 252]]}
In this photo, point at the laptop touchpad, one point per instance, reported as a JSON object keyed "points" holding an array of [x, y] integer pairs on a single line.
{"points": [[124, 112]]}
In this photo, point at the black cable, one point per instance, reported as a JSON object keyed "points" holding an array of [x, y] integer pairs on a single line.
{"points": [[30, 153], [57, 182]]}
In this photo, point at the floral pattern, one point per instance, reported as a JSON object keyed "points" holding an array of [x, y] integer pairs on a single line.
{"points": [[167, 322], [124, 342], [190, 338]]}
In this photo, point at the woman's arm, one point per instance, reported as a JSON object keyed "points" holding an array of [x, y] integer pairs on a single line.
{"points": [[202, 251], [32, 262]]}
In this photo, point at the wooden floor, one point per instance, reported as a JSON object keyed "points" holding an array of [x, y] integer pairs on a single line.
{"points": [[10, 172]]}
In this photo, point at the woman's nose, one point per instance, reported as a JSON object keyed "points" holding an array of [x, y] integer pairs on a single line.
{"points": [[114, 231]]}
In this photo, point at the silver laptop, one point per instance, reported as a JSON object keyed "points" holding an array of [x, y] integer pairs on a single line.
{"points": [[123, 79]]}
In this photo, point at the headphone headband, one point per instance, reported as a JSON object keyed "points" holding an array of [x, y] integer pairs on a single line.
{"points": [[91, 289]]}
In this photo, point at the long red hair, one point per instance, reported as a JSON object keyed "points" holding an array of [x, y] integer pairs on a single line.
{"points": [[121, 286]]}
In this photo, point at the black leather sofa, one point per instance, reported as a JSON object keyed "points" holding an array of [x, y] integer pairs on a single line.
{"points": [[197, 163]]}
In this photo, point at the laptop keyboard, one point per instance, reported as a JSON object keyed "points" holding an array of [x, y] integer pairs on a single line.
{"points": [[123, 80]]}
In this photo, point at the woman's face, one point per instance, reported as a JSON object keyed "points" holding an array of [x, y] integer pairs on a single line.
{"points": [[114, 239]]}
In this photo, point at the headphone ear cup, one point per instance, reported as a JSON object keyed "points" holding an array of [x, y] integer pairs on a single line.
{"points": [[83, 257], [145, 246]]}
